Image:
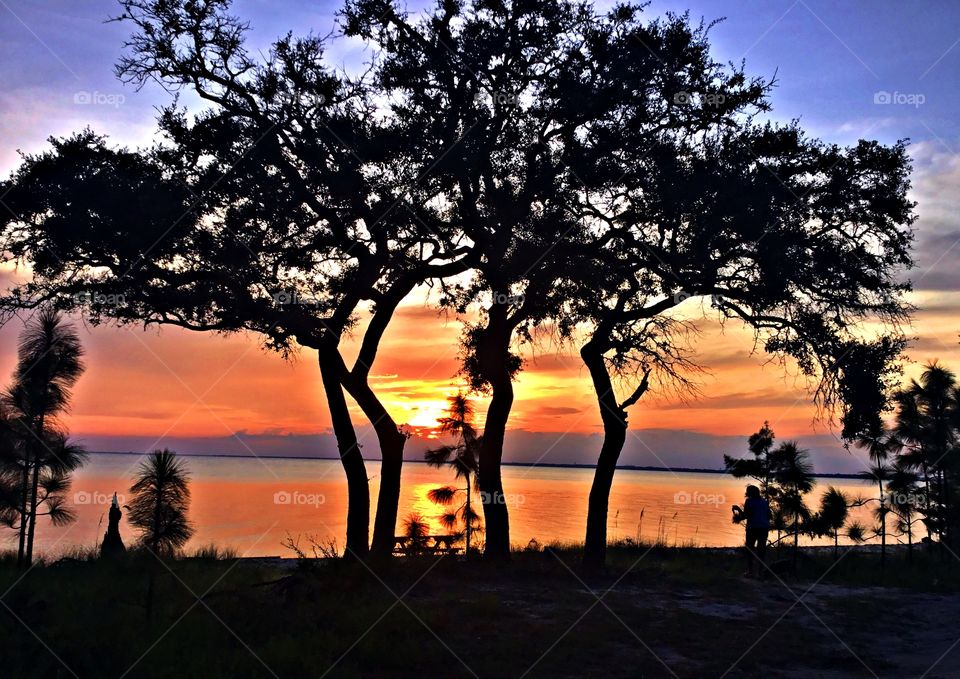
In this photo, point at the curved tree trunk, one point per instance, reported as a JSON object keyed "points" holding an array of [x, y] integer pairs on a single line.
{"points": [[389, 436], [614, 418], [614, 436], [493, 356], [392, 442], [358, 491]]}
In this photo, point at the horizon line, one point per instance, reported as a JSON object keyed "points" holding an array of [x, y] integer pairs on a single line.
{"points": [[556, 465]]}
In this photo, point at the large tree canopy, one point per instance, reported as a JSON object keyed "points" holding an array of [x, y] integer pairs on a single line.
{"points": [[591, 170], [803, 242], [278, 209]]}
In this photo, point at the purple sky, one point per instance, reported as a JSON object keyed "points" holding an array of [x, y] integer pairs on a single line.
{"points": [[875, 69]]}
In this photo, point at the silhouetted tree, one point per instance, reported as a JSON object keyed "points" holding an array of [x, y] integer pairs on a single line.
{"points": [[160, 502], [905, 501], [597, 141], [760, 466], [832, 516], [699, 229], [925, 438], [279, 208], [785, 476], [528, 142], [461, 456], [416, 530], [793, 475], [37, 456], [879, 472]]}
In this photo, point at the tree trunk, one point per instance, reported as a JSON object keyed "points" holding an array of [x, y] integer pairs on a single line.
{"points": [[466, 552], [388, 498], [389, 436], [24, 496], [883, 529], [941, 518], [614, 436], [157, 513], [392, 442], [909, 539], [493, 357], [796, 543], [358, 490], [35, 486], [946, 511]]}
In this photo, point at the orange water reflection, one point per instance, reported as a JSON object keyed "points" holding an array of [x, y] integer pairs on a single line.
{"points": [[251, 505]]}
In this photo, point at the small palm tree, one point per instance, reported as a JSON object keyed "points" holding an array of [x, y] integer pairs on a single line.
{"points": [[161, 498], [878, 447], [462, 457], [792, 472], [49, 363], [416, 529], [903, 490], [834, 509]]}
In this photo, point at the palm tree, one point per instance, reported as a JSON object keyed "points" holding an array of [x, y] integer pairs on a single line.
{"points": [[792, 472], [903, 493], [417, 531], [834, 509], [49, 363], [161, 498], [463, 457], [878, 446], [927, 423]]}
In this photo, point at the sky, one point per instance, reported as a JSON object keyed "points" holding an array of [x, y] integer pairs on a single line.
{"points": [[874, 69]]}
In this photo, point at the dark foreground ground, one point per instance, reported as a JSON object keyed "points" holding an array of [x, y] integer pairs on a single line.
{"points": [[662, 612]]}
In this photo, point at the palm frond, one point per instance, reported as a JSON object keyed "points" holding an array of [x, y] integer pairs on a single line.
{"points": [[438, 457], [443, 495]]}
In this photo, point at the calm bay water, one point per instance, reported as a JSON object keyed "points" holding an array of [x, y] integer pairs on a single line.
{"points": [[252, 504]]}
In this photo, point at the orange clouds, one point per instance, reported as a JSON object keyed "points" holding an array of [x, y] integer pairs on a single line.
{"points": [[181, 384]]}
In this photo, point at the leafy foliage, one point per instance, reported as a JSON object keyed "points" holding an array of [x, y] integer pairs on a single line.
{"points": [[161, 499]]}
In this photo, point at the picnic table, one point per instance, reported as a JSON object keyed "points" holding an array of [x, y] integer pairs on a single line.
{"points": [[429, 544]]}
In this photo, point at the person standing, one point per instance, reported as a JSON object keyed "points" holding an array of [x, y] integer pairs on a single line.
{"points": [[756, 513]]}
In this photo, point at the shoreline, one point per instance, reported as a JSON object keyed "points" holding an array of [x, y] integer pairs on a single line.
{"points": [[545, 465]]}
